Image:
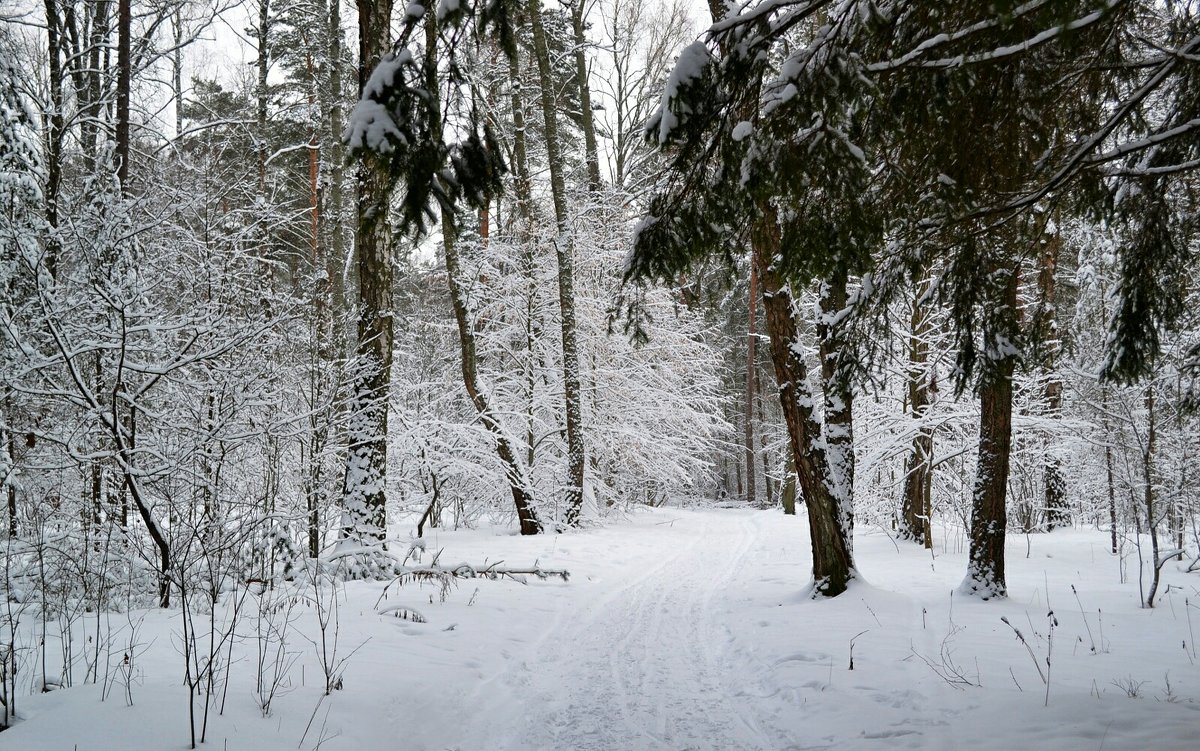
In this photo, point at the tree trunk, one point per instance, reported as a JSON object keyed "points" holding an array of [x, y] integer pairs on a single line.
{"points": [[586, 119], [1054, 487], [751, 337], [1151, 447], [828, 520], [520, 162], [838, 433], [1108, 466], [364, 498], [54, 135], [335, 211], [916, 515], [515, 472], [124, 76], [177, 67], [989, 519], [8, 480], [564, 245], [830, 513], [263, 64]]}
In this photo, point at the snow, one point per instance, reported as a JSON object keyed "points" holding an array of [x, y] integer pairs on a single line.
{"points": [[693, 60], [371, 125], [692, 629], [447, 8], [742, 130]]}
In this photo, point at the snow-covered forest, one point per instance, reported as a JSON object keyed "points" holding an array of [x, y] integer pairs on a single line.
{"points": [[599, 374]]}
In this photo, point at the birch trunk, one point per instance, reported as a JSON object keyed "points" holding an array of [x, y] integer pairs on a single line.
{"points": [[363, 497]]}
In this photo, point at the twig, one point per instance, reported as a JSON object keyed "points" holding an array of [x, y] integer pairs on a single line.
{"points": [[1028, 648]]}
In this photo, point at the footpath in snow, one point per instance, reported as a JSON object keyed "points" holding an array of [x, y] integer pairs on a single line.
{"points": [[688, 629]]}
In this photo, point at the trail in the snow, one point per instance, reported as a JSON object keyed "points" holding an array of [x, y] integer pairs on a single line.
{"points": [[647, 667]]}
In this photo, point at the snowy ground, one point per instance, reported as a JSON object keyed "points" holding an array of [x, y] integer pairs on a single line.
{"points": [[684, 629]]}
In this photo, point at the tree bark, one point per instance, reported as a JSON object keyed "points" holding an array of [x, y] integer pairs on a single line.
{"points": [[1054, 488], [1108, 466], [124, 76], [364, 497], [989, 518], [54, 135], [586, 118], [751, 337], [335, 212], [1151, 447], [564, 245], [838, 432], [263, 65], [828, 519], [917, 510]]}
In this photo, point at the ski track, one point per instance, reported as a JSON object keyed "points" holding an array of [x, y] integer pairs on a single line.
{"points": [[649, 666]]}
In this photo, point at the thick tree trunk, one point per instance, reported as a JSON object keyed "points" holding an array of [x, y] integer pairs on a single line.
{"points": [[989, 519], [564, 245], [838, 431], [916, 515], [828, 520], [364, 498]]}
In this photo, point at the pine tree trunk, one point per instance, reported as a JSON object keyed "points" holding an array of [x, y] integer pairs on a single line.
{"points": [[363, 497], [564, 245], [788, 492], [751, 337], [838, 433], [829, 521], [1054, 488], [335, 211], [520, 162], [989, 519], [917, 510]]}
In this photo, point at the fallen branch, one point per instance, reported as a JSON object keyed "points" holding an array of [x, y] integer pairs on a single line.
{"points": [[446, 576]]}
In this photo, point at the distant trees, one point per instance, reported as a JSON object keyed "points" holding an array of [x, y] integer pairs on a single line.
{"points": [[878, 141]]}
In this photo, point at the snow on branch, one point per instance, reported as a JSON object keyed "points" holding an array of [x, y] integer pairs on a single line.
{"points": [[372, 125], [694, 61]]}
